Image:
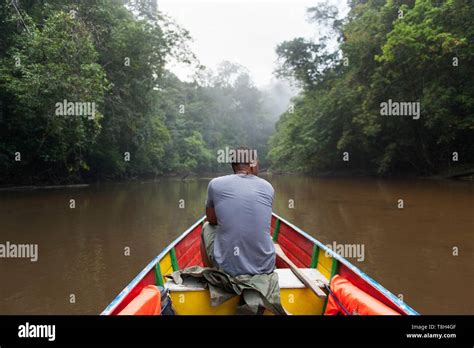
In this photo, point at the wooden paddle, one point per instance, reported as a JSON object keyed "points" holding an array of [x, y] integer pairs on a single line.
{"points": [[300, 275]]}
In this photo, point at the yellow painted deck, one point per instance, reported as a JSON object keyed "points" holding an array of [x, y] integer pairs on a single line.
{"points": [[295, 298]]}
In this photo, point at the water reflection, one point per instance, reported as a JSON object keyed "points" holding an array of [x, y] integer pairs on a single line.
{"points": [[82, 250]]}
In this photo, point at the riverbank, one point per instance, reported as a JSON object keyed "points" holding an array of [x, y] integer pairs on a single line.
{"points": [[40, 187], [462, 174]]}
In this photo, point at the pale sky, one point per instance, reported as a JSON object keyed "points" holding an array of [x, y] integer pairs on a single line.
{"points": [[241, 31]]}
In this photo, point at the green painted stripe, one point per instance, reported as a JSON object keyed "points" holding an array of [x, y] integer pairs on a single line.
{"points": [[334, 269], [276, 230], [158, 275], [174, 260], [314, 257]]}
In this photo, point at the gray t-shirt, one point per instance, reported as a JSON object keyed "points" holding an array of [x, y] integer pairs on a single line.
{"points": [[243, 205]]}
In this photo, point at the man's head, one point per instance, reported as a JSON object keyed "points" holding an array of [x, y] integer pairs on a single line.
{"points": [[245, 161]]}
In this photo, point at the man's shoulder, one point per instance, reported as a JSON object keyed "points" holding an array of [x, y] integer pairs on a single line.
{"points": [[223, 178], [220, 180], [226, 179], [266, 184]]}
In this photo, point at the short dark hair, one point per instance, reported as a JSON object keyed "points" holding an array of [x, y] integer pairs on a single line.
{"points": [[239, 158], [243, 156]]}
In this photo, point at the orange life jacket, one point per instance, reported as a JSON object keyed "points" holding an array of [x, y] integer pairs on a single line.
{"points": [[148, 302], [354, 300]]}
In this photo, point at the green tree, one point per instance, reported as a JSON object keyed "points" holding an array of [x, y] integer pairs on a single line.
{"points": [[43, 68], [408, 51]]}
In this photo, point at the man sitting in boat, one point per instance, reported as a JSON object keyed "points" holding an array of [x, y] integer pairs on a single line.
{"points": [[236, 237], [236, 245]]}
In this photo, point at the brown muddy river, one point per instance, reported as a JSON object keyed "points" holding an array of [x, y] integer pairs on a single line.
{"points": [[81, 250]]}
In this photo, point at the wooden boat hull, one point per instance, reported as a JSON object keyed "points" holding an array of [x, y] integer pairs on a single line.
{"points": [[302, 249]]}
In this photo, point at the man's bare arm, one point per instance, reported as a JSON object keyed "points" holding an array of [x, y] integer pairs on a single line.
{"points": [[211, 216]]}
